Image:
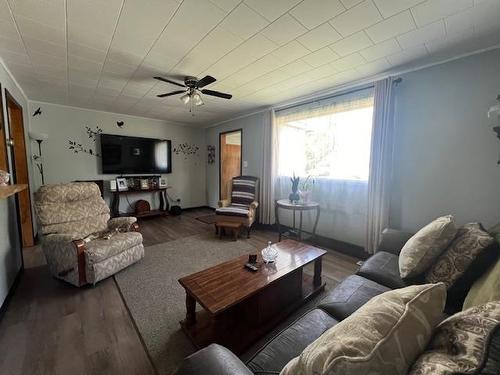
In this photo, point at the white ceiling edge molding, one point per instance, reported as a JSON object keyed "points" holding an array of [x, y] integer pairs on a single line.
{"points": [[168, 122], [339, 89], [13, 78]]}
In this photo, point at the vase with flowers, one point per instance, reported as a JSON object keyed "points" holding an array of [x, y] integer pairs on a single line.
{"points": [[306, 189]]}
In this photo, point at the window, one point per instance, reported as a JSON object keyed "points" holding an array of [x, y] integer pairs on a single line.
{"points": [[327, 139]]}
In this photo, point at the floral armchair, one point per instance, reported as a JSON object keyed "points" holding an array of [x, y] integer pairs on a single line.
{"points": [[80, 242], [242, 205]]}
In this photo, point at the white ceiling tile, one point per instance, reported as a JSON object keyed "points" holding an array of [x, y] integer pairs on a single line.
{"points": [[82, 13], [203, 16], [244, 22], [283, 30], [319, 37], [433, 10], [260, 67], [84, 64], [422, 35], [4, 10], [213, 47], [8, 28], [40, 46], [272, 9], [357, 18], [486, 14], [451, 41], [290, 52], [320, 57], [407, 56], [312, 13], [12, 44], [47, 60], [391, 27], [48, 12], [351, 44], [348, 62], [15, 58], [374, 67], [350, 3], [226, 5], [380, 50], [460, 22], [86, 52], [32, 29], [389, 8]]}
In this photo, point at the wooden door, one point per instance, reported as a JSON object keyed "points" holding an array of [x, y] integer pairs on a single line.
{"points": [[20, 167], [230, 160], [4, 164]]}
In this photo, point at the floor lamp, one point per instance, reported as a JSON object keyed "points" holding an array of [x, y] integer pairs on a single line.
{"points": [[39, 138]]}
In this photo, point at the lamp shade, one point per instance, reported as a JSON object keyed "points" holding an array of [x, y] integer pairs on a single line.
{"points": [[36, 136]]}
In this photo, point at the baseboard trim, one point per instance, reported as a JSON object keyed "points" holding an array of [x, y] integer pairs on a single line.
{"points": [[330, 243], [12, 289]]}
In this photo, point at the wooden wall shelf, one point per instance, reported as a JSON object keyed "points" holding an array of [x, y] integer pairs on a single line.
{"points": [[7, 191]]}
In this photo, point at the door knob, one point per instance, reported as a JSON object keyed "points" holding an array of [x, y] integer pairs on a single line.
{"points": [[10, 142]]}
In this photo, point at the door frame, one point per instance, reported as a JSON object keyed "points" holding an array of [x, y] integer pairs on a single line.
{"points": [[9, 98], [220, 159], [3, 135]]}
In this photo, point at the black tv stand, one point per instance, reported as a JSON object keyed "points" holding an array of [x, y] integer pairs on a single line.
{"points": [[162, 211]]}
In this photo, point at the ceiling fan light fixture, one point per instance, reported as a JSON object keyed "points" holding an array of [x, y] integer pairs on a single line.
{"points": [[197, 100], [185, 98]]}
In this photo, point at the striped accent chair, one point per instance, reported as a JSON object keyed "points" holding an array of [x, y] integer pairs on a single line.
{"points": [[242, 206]]}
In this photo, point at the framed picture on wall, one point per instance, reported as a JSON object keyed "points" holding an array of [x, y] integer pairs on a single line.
{"points": [[121, 184]]}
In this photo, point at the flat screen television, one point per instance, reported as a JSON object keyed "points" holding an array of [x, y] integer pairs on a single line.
{"points": [[134, 155]]}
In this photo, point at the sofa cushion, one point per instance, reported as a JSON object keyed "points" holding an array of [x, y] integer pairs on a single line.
{"points": [[352, 293], [290, 342], [383, 268], [385, 336], [461, 343], [418, 254], [100, 249], [486, 288], [470, 241]]}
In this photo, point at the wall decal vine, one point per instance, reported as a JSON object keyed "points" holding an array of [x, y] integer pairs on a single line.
{"points": [[77, 147], [186, 149]]}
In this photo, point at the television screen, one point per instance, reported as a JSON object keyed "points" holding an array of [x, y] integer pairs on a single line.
{"points": [[121, 155]]}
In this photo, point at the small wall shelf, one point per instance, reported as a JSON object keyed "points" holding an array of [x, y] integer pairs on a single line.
{"points": [[7, 191]]}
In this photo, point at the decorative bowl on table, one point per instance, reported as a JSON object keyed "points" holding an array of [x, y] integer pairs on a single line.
{"points": [[270, 253]]}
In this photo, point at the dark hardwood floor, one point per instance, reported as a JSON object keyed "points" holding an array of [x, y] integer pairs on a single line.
{"points": [[53, 328]]}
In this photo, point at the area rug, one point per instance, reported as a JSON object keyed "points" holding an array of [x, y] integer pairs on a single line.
{"points": [[207, 219], [155, 299]]}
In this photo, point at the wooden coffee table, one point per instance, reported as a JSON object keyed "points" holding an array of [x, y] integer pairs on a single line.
{"points": [[240, 306]]}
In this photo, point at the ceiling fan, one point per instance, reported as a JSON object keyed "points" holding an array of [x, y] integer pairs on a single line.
{"points": [[193, 87]]}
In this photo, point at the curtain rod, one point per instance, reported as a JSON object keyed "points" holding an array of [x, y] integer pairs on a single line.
{"points": [[339, 93]]}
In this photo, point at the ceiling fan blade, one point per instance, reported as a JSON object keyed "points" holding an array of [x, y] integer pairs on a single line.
{"points": [[171, 93], [207, 80], [217, 94], [169, 81]]}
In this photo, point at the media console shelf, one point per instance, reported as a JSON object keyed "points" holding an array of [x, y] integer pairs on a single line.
{"points": [[163, 210]]}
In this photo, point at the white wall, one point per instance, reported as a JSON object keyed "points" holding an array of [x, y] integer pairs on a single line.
{"points": [[445, 150], [252, 149], [63, 123], [10, 248]]}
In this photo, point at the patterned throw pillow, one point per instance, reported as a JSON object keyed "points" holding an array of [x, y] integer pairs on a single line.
{"points": [[384, 336], [460, 344], [469, 242], [418, 254]]}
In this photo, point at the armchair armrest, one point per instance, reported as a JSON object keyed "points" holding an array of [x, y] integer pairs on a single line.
{"points": [[254, 205], [213, 360], [393, 240], [126, 224], [224, 203]]}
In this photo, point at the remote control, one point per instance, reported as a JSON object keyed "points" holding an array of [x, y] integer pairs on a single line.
{"points": [[251, 267]]}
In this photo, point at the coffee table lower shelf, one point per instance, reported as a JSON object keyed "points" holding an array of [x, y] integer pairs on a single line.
{"points": [[236, 328]]}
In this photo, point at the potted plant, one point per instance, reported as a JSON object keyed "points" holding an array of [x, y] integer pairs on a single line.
{"points": [[306, 189], [294, 195]]}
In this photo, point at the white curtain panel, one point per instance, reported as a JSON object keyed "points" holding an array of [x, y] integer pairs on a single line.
{"points": [[268, 170], [380, 163]]}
